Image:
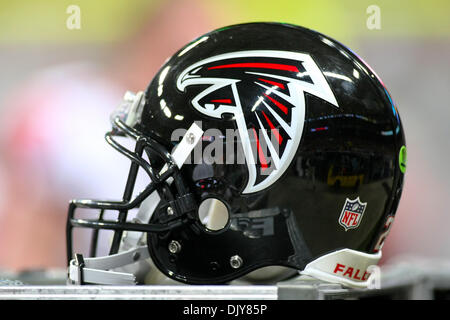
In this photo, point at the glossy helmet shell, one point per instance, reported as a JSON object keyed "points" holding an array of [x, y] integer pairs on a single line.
{"points": [[347, 147]]}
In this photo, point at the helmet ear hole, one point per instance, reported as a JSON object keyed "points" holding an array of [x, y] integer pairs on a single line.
{"points": [[213, 214]]}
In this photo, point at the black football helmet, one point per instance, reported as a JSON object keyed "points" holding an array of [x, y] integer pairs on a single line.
{"points": [[265, 144]]}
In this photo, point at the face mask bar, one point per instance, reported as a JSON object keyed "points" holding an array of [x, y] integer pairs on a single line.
{"points": [[182, 203]]}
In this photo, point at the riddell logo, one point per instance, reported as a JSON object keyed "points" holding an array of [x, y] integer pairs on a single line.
{"points": [[350, 272]]}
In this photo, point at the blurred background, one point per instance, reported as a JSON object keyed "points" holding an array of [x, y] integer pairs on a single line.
{"points": [[61, 76]]}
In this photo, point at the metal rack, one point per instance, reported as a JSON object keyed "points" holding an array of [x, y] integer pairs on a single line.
{"points": [[417, 279]]}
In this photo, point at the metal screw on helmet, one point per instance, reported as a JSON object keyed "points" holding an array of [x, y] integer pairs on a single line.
{"points": [[236, 262], [170, 211], [174, 246], [190, 138]]}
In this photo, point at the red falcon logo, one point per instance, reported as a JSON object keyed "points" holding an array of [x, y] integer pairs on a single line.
{"points": [[263, 90]]}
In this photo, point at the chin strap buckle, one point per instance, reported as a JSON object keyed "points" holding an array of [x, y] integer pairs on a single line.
{"points": [[79, 262], [183, 205]]}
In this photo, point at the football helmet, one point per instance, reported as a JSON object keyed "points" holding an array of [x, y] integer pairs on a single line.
{"points": [[265, 144]]}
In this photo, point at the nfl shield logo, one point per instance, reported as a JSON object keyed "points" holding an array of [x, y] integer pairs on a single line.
{"points": [[352, 213]]}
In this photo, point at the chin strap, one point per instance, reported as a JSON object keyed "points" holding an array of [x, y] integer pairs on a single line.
{"points": [[97, 270]]}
